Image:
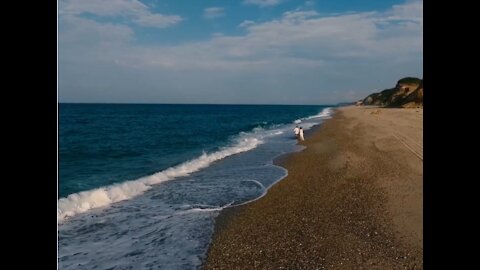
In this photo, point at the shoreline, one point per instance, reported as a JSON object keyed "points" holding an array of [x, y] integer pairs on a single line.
{"points": [[280, 161], [228, 212], [336, 208]]}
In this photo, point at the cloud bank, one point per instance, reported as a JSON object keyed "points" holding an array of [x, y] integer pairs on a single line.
{"points": [[302, 57]]}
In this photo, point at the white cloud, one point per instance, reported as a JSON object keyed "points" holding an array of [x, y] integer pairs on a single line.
{"points": [[301, 50], [131, 9], [412, 10], [299, 15], [102, 7], [78, 36], [217, 34], [261, 3], [309, 3], [246, 23], [158, 20], [213, 12]]}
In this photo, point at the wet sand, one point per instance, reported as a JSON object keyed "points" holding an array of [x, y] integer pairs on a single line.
{"points": [[353, 199]]}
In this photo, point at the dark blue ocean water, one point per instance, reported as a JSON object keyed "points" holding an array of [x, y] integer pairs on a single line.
{"points": [[149, 180], [102, 144]]}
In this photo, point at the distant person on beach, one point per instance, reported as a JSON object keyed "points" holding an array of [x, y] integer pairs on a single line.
{"points": [[300, 134], [296, 130]]}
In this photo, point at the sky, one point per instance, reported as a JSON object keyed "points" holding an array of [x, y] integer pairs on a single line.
{"points": [[235, 52]]}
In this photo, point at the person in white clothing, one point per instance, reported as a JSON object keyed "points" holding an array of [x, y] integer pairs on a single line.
{"points": [[297, 131], [300, 134]]}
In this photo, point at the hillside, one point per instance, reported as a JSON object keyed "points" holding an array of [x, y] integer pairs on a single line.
{"points": [[408, 93]]}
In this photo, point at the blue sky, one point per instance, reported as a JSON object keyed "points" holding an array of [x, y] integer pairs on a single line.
{"points": [[235, 52]]}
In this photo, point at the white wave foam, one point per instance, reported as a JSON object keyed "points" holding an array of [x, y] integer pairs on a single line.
{"points": [[86, 200], [325, 113], [257, 183], [205, 208]]}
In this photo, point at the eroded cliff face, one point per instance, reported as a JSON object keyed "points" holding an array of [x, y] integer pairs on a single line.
{"points": [[408, 93]]}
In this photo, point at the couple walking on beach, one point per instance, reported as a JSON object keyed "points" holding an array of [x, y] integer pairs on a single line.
{"points": [[299, 133]]}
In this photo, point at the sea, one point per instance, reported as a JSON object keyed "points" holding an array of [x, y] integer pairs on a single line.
{"points": [[140, 185]]}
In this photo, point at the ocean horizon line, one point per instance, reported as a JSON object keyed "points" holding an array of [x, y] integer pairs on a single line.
{"points": [[219, 104]]}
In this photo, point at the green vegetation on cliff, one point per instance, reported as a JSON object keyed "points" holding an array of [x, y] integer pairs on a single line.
{"points": [[409, 80]]}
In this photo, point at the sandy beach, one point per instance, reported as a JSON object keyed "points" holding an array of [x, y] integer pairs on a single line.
{"points": [[353, 199]]}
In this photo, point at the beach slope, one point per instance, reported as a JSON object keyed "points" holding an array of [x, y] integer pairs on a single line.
{"points": [[353, 199]]}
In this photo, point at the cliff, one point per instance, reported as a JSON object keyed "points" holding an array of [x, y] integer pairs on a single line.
{"points": [[408, 93]]}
